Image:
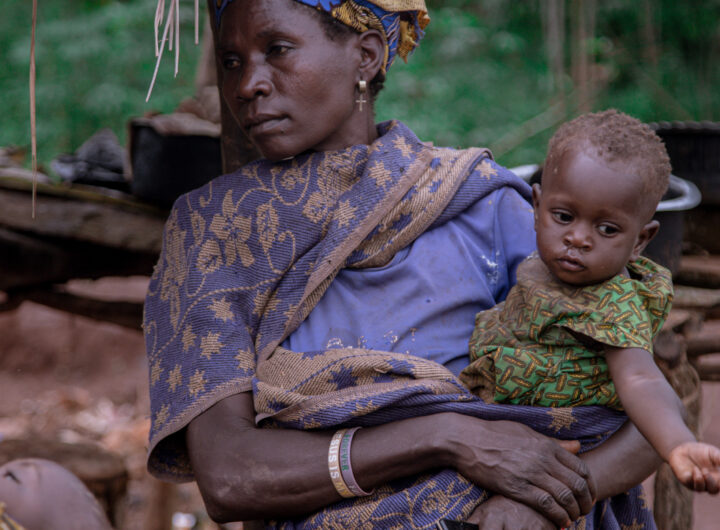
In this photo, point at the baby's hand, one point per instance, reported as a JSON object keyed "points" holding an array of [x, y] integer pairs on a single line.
{"points": [[696, 464]]}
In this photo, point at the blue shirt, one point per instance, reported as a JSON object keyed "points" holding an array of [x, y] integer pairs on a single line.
{"points": [[425, 300]]}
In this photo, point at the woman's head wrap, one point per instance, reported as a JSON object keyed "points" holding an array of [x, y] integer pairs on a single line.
{"points": [[400, 21]]}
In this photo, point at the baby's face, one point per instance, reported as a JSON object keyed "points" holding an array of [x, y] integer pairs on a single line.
{"points": [[588, 218]]}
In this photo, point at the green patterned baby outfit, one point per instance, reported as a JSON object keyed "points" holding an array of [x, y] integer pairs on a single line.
{"points": [[543, 344]]}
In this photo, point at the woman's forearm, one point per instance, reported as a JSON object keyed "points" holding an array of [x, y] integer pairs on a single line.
{"points": [[622, 462], [248, 473]]}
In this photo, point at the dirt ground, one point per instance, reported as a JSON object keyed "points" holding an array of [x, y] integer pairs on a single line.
{"points": [[72, 379]]}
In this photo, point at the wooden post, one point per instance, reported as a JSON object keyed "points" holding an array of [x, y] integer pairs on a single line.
{"points": [[650, 49], [553, 12], [236, 149], [583, 31], [672, 506]]}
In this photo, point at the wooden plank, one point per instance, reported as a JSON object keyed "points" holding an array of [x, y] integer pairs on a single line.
{"points": [[29, 261], [700, 227], [84, 216], [705, 340], [699, 271], [695, 297], [677, 318], [126, 314], [708, 367]]}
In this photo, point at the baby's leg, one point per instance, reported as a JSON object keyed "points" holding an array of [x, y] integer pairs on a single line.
{"points": [[41, 494]]}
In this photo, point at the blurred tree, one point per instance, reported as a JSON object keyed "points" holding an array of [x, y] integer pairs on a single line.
{"points": [[490, 72]]}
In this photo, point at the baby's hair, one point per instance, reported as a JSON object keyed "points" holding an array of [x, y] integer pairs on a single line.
{"points": [[616, 137]]}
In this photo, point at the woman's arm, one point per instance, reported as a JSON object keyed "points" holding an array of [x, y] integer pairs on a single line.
{"points": [[248, 473], [621, 462]]}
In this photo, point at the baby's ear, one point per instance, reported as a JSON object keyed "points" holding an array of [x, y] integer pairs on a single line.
{"points": [[536, 193], [648, 232]]}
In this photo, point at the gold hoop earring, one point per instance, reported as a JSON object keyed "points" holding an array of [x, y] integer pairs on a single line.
{"points": [[362, 88]]}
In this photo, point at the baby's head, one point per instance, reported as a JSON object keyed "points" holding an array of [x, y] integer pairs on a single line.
{"points": [[603, 178]]}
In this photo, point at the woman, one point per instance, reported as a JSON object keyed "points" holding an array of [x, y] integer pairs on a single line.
{"points": [[326, 285]]}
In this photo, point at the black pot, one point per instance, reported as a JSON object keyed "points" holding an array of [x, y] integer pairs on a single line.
{"points": [[164, 166], [694, 150], [666, 248]]}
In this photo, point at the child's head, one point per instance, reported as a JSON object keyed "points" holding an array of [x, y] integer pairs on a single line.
{"points": [[603, 178]]}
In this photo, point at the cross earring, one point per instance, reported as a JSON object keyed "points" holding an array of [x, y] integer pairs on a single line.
{"points": [[362, 88]]}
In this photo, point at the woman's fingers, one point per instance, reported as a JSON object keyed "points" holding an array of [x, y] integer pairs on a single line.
{"points": [[527, 467], [565, 497], [567, 480], [579, 480], [572, 446], [543, 502]]}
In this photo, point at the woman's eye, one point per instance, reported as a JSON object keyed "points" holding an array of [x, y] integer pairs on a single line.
{"points": [[229, 63], [562, 217], [608, 230], [278, 49]]}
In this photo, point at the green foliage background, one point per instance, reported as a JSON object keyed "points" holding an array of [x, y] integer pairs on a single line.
{"points": [[480, 73]]}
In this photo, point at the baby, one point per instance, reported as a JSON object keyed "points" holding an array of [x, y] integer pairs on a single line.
{"points": [[578, 327]]}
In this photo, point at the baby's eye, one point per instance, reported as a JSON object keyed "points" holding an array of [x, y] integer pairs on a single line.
{"points": [[562, 217], [608, 230]]}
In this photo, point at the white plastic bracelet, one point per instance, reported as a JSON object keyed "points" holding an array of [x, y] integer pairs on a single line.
{"points": [[334, 465]]}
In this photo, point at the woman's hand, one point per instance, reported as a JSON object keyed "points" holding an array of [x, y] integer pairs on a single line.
{"points": [[521, 464], [501, 513]]}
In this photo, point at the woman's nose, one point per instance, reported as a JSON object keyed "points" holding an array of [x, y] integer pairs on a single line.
{"points": [[253, 82]]}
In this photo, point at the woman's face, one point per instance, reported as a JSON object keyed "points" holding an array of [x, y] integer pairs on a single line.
{"points": [[289, 86]]}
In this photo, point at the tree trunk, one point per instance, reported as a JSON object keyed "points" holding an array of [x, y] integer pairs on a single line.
{"points": [[582, 61], [650, 51], [236, 148], [554, 28]]}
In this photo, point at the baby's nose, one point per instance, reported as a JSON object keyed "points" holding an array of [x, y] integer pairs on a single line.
{"points": [[578, 238]]}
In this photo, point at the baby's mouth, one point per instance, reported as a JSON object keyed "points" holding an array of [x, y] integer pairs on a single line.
{"points": [[570, 263]]}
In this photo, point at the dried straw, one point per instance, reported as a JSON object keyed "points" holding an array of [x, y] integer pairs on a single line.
{"points": [[33, 122], [171, 35]]}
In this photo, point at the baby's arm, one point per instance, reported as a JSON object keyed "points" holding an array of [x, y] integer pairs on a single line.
{"points": [[657, 412]]}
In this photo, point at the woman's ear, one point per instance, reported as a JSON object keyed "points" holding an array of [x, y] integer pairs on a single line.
{"points": [[372, 47], [648, 232]]}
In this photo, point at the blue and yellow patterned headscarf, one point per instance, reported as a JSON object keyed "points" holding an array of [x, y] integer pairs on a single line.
{"points": [[401, 21]]}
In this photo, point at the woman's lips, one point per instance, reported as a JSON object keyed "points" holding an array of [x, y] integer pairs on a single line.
{"points": [[264, 125]]}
